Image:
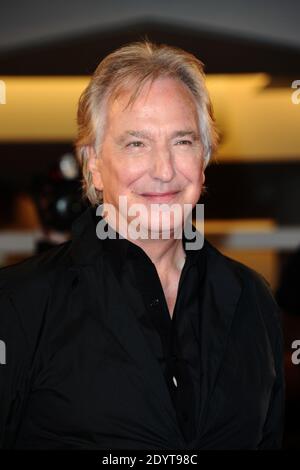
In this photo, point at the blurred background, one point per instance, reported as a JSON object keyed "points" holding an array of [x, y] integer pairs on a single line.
{"points": [[251, 52]]}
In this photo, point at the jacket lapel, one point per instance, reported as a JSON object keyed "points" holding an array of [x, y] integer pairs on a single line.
{"points": [[221, 293]]}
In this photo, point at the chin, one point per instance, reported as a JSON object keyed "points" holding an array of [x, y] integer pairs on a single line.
{"points": [[160, 228]]}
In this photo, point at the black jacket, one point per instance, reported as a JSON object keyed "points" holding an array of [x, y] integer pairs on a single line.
{"points": [[67, 303]]}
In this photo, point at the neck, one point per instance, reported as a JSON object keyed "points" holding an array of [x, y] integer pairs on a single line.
{"points": [[167, 255]]}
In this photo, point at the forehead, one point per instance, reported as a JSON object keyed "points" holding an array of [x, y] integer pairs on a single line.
{"points": [[163, 95]]}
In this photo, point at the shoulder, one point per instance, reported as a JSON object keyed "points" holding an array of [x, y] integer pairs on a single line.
{"points": [[36, 268], [240, 271], [255, 289], [26, 288]]}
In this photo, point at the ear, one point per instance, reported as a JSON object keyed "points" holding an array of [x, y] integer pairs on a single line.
{"points": [[203, 177], [94, 167]]}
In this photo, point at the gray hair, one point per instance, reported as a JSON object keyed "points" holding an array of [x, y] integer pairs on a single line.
{"points": [[130, 67]]}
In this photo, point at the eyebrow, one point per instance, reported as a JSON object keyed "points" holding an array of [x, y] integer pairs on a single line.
{"points": [[143, 134]]}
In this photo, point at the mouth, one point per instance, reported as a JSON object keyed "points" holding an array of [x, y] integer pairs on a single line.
{"points": [[160, 197]]}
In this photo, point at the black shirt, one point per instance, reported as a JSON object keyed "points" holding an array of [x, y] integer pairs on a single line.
{"points": [[174, 341], [92, 353]]}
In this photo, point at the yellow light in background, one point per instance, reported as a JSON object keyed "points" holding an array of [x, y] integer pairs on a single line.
{"points": [[256, 123], [40, 108]]}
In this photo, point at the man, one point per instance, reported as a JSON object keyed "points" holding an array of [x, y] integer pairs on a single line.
{"points": [[124, 337]]}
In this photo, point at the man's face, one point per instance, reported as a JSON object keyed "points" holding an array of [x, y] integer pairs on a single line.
{"points": [[151, 152]]}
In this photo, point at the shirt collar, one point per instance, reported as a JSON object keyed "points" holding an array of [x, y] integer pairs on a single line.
{"points": [[86, 246]]}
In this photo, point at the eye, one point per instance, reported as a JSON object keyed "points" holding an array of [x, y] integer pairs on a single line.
{"points": [[136, 143], [184, 142]]}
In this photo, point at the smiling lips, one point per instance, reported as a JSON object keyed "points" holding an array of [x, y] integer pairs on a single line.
{"points": [[160, 197]]}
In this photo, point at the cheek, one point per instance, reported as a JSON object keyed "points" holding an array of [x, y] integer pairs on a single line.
{"points": [[192, 171], [124, 176], [133, 171]]}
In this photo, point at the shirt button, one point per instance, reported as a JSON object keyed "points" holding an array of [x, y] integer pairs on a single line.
{"points": [[175, 381], [154, 303]]}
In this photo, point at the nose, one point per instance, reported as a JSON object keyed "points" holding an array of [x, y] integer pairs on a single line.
{"points": [[162, 165]]}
